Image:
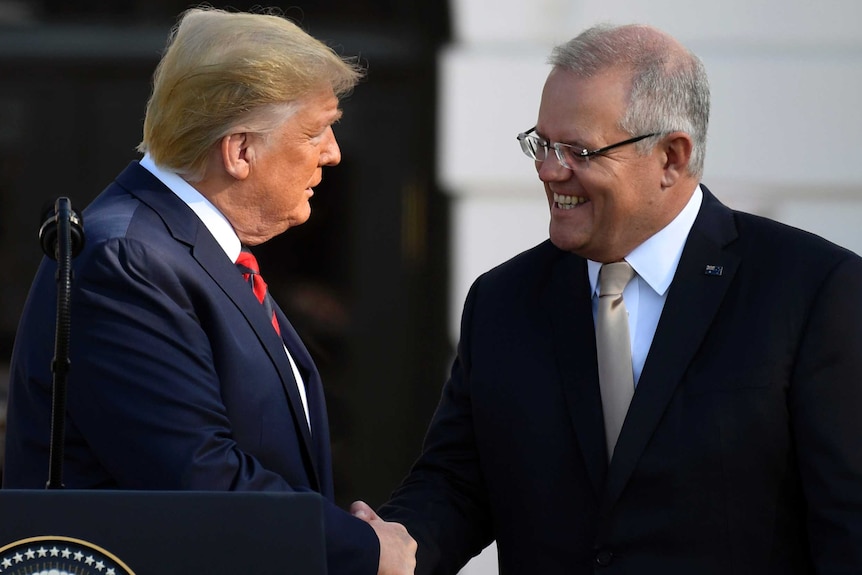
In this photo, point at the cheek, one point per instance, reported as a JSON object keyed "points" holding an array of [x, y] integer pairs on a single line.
{"points": [[616, 208], [628, 205]]}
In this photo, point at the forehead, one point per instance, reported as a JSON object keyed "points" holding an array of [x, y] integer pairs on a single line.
{"points": [[317, 109], [577, 107]]}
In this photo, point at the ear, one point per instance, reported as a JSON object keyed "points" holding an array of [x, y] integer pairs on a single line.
{"points": [[677, 148], [237, 155]]}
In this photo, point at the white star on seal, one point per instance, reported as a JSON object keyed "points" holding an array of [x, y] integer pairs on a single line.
{"points": [[66, 553], [78, 556], [30, 554]]}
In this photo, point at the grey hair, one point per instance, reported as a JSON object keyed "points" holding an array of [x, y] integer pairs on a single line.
{"points": [[669, 88]]}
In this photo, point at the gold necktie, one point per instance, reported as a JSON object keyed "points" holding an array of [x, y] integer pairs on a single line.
{"points": [[614, 349]]}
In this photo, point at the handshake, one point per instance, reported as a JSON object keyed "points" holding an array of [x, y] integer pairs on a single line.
{"points": [[397, 548]]}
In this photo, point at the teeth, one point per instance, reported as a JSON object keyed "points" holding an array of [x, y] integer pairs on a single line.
{"points": [[568, 202]]}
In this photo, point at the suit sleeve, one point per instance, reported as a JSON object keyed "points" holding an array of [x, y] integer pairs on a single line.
{"points": [[442, 502], [826, 411]]}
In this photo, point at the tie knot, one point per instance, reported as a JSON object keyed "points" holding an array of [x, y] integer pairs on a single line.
{"points": [[614, 277], [247, 260]]}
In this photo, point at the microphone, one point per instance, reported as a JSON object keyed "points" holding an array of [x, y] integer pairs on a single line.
{"points": [[62, 238], [55, 217]]}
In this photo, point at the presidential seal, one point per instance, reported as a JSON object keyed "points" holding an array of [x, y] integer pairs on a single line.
{"points": [[58, 556]]}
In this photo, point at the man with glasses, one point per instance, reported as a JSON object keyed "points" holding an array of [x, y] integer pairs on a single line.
{"points": [[666, 386]]}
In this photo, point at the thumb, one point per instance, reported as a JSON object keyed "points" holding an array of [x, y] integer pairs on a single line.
{"points": [[362, 510]]}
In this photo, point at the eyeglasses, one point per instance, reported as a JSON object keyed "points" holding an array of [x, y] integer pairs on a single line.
{"points": [[536, 148]]}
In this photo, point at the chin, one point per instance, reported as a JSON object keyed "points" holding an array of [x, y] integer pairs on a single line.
{"points": [[565, 240], [299, 217], [564, 245]]}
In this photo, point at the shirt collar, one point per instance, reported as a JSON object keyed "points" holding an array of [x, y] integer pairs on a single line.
{"points": [[656, 259], [212, 218]]}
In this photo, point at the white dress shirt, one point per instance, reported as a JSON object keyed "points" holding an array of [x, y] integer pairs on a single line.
{"points": [[222, 231], [655, 262]]}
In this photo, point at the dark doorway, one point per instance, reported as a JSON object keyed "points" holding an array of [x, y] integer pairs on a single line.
{"points": [[364, 281]]}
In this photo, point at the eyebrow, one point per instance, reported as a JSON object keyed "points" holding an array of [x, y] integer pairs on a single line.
{"points": [[576, 143]]}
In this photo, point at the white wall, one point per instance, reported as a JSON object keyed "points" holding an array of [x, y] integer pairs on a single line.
{"points": [[785, 133]]}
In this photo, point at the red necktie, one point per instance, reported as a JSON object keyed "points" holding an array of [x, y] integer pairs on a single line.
{"points": [[247, 264]]}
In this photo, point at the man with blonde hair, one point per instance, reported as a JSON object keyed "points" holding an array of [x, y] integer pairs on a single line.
{"points": [[184, 376], [664, 387]]}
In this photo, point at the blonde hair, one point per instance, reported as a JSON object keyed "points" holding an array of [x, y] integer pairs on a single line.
{"points": [[222, 71]]}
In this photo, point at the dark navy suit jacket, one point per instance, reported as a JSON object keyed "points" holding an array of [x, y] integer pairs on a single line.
{"points": [[177, 380], [742, 450]]}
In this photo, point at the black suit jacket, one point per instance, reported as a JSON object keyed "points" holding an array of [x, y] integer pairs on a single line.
{"points": [[177, 380], [742, 449]]}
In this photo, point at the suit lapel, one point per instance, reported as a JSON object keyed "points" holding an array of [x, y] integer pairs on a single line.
{"points": [[319, 436], [224, 273], [691, 306], [575, 350], [187, 228]]}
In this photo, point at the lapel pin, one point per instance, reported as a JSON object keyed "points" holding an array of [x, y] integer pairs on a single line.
{"points": [[714, 270]]}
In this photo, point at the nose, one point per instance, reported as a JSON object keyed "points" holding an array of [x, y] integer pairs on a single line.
{"points": [[552, 171], [331, 154]]}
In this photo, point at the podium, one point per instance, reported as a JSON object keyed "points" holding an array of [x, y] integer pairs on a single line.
{"points": [[100, 532]]}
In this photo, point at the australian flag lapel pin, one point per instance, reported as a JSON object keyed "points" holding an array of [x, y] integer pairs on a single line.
{"points": [[712, 270]]}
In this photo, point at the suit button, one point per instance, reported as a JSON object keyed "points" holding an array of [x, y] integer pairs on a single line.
{"points": [[604, 558]]}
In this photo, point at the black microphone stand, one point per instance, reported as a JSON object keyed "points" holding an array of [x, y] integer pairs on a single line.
{"points": [[62, 238]]}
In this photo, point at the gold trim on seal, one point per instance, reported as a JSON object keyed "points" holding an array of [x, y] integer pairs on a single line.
{"points": [[81, 542]]}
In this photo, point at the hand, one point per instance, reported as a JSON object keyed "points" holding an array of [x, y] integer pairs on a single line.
{"points": [[397, 548]]}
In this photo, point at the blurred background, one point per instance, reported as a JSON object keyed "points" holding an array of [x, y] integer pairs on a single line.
{"points": [[364, 281], [432, 189]]}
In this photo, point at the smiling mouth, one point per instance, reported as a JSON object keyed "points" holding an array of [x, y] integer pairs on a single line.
{"points": [[568, 202]]}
